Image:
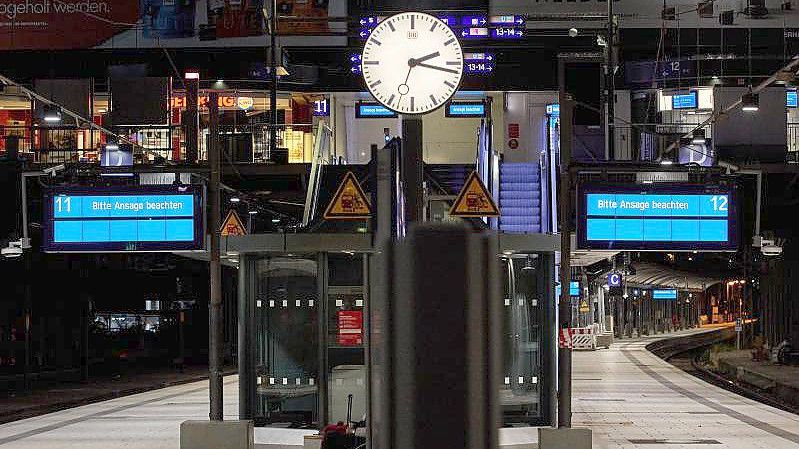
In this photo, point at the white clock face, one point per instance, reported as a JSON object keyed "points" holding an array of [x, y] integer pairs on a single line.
{"points": [[412, 63]]}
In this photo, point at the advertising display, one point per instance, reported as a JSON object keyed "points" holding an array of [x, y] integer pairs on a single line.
{"points": [[111, 219], [82, 24], [650, 14], [657, 217]]}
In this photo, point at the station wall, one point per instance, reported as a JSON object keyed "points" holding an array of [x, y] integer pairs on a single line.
{"points": [[525, 117], [445, 141]]}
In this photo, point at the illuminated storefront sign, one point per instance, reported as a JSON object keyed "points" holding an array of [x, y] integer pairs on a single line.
{"points": [[225, 101]]}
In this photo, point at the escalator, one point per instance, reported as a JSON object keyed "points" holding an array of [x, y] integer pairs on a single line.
{"points": [[520, 197]]}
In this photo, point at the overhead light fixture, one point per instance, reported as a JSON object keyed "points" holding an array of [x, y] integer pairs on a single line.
{"points": [[14, 249], [253, 212], [528, 265], [235, 199], [699, 137], [750, 102], [52, 114], [666, 162], [192, 75]]}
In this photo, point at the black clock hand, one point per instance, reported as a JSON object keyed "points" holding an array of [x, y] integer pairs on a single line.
{"points": [[425, 58], [443, 69]]}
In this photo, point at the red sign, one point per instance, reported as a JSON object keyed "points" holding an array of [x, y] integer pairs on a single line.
{"points": [[350, 327], [225, 101], [513, 131]]}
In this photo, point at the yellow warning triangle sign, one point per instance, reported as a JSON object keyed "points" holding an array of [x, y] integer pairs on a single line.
{"points": [[584, 307], [232, 225], [474, 201], [349, 202]]}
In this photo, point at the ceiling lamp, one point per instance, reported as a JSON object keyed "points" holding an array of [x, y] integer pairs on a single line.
{"points": [[699, 137], [750, 102], [52, 114]]}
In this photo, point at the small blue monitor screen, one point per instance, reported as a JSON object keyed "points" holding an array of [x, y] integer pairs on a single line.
{"points": [[109, 219], [574, 289], [373, 110], [686, 101], [657, 217], [664, 294], [471, 109], [792, 100]]}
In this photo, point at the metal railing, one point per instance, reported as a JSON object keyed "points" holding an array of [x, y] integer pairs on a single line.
{"points": [[246, 143]]}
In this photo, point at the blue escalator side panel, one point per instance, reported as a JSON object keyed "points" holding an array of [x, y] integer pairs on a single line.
{"points": [[520, 198]]}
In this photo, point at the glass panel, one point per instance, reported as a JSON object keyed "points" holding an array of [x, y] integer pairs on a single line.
{"points": [[523, 319], [346, 332], [287, 341]]}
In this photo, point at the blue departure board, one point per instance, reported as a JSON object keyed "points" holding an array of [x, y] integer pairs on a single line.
{"points": [[373, 110], [686, 101], [664, 294], [465, 109], [657, 217], [574, 289], [103, 219], [791, 99]]}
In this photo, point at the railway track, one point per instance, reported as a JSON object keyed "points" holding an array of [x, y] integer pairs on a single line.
{"points": [[686, 353]]}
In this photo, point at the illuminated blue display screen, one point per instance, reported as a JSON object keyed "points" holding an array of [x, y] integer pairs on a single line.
{"points": [[792, 99], [687, 101], [574, 289], [665, 217], [465, 110], [664, 294], [123, 219], [373, 110]]}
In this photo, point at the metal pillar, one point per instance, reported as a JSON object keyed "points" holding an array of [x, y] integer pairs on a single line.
{"points": [[564, 354], [445, 350], [549, 394], [412, 168], [379, 303], [191, 119], [610, 87], [273, 76], [322, 397], [246, 337], [215, 340]]}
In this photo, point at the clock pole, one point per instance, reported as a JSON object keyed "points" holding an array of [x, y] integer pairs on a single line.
{"points": [[412, 168]]}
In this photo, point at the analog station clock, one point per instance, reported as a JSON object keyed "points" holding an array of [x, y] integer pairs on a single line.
{"points": [[412, 63]]}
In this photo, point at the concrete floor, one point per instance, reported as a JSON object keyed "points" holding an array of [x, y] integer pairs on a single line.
{"points": [[629, 397]]}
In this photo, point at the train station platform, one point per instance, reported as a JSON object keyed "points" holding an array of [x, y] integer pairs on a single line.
{"points": [[779, 380], [628, 396]]}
